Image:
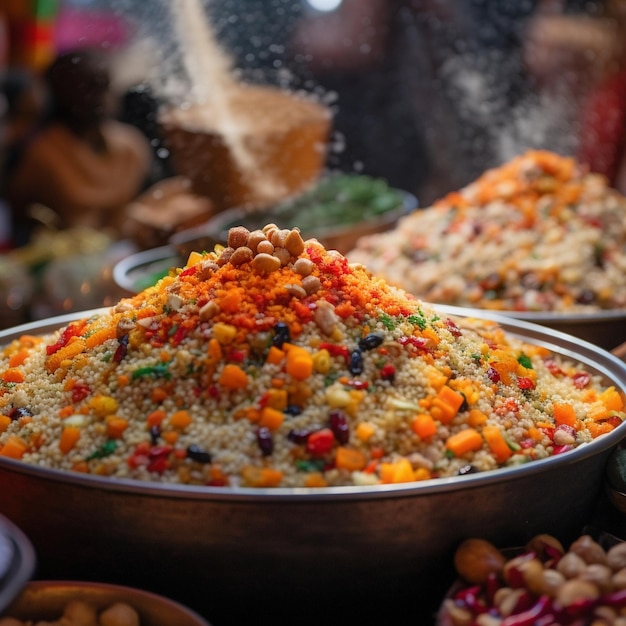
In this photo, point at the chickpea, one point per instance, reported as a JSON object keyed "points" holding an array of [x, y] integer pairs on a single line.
{"points": [[475, 559], [79, 613], [574, 590], [571, 565], [619, 579], [552, 581], [544, 546], [616, 556], [599, 575], [589, 550], [119, 614]]}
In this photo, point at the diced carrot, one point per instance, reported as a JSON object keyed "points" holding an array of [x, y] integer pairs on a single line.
{"points": [[277, 399], [69, 384], [215, 350], [535, 434], [261, 476], [115, 426], [299, 363], [155, 418], [599, 428], [180, 419], [400, 471], [424, 426], [233, 377], [446, 404], [170, 436], [274, 356], [497, 444], [75, 346], [612, 399], [158, 394], [69, 437], [123, 380], [5, 420], [19, 357], [365, 430], [15, 447], [315, 479], [271, 418], [467, 440], [421, 473], [66, 411], [349, 459], [564, 414], [377, 453], [81, 466], [13, 375], [100, 336], [103, 405], [476, 418]]}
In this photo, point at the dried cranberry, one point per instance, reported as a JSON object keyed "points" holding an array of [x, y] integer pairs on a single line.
{"points": [[581, 379], [493, 375], [388, 372], [264, 440], [453, 328], [525, 383], [339, 425], [298, 436]]}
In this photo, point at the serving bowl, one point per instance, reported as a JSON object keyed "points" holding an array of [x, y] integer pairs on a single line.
{"points": [[47, 599], [605, 329], [354, 551], [333, 229], [17, 561]]}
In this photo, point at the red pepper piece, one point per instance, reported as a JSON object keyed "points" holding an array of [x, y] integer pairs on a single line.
{"points": [[581, 380], [336, 350], [190, 271], [79, 392], [388, 372], [320, 442], [561, 449], [523, 382]]}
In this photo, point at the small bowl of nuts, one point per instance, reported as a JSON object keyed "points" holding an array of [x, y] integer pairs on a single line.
{"points": [[540, 584], [70, 603]]}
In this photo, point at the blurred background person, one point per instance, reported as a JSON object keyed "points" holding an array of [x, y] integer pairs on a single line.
{"points": [[83, 166]]}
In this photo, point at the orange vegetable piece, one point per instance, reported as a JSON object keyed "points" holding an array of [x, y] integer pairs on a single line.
{"points": [[19, 357], [467, 440], [364, 431], [15, 447], [115, 426], [277, 399], [612, 399], [100, 336], [180, 419], [233, 377], [400, 471], [350, 459], [158, 394], [66, 411], [5, 420], [497, 444], [315, 479], [446, 404], [13, 375], [69, 437], [299, 363], [564, 414], [271, 418], [424, 426], [261, 476], [170, 436], [275, 356], [155, 418], [476, 418], [75, 346]]}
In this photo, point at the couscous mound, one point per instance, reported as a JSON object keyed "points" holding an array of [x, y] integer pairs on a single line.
{"points": [[274, 362]]}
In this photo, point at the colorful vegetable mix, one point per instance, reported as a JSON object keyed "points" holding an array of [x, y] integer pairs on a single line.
{"points": [[274, 362]]}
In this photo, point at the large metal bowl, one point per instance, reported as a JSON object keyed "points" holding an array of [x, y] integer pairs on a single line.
{"points": [[316, 556]]}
